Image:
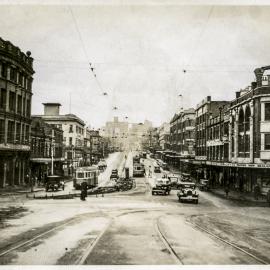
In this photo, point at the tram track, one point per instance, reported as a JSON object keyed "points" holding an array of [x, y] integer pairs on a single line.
{"points": [[91, 246], [81, 260], [256, 258], [37, 237], [166, 243]]}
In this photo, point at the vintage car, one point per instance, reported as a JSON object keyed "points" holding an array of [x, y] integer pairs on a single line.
{"points": [[186, 177], [114, 174], [102, 165], [162, 187], [174, 178], [54, 182], [204, 185], [156, 169], [187, 192]]}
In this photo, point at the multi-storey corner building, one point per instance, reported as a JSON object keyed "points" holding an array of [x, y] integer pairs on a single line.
{"points": [[217, 141], [182, 138], [164, 136], [46, 149], [238, 139], [73, 134], [205, 110], [16, 77]]}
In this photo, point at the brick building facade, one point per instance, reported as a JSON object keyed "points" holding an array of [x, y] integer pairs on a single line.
{"points": [[16, 77]]}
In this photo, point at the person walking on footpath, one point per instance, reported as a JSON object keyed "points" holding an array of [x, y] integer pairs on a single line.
{"points": [[83, 191], [149, 172], [256, 192], [227, 190], [268, 197]]}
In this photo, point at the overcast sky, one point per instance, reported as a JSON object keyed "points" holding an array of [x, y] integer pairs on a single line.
{"points": [[139, 54]]}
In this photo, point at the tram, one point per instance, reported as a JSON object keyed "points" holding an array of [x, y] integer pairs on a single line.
{"points": [[89, 175]]}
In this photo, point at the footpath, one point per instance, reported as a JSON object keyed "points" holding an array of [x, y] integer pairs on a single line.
{"points": [[13, 191], [20, 190], [246, 198]]}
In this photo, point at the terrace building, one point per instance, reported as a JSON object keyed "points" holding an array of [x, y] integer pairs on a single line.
{"points": [[46, 149], [16, 77], [73, 135]]}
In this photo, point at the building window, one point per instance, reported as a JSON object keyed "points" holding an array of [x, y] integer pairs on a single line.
{"points": [[267, 141], [20, 79], [267, 112], [10, 135], [2, 130], [70, 128], [28, 107], [18, 132], [12, 100], [4, 71], [3, 98], [26, 134], [19, 104], [12, 74], [70, 141]]}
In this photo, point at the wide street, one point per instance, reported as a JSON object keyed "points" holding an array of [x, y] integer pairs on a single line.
{"points": [[132, 227]]}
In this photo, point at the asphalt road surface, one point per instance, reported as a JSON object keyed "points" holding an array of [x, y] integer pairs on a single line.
{"points": [[133, 227]]}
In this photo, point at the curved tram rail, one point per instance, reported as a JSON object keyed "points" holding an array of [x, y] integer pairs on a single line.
{"points": [[228, 243], [81, 260]]}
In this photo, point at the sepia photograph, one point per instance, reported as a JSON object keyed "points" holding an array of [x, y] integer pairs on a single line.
{"points": [[134, 134]]}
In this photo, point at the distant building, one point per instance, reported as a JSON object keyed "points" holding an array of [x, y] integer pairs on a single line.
{"points": [[95, 146], [164, 136], [73, 134], [140, 136], [16, 77], [117, 132], [46, 142]]}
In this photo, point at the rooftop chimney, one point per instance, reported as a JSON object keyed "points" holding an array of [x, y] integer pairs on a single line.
{"points": [[51, 108]]}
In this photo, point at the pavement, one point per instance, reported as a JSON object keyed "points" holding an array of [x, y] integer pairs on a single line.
{"points": [[133, 228], [233, 194], [10, 191]]}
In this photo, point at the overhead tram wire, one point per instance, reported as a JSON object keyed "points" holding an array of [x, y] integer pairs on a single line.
{"points": [[195, 47], [85, 51]]}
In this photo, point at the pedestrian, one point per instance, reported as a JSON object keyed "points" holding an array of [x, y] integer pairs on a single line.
{"points": [[83, 191], [227, 190], [256, 192], [268, 197]]}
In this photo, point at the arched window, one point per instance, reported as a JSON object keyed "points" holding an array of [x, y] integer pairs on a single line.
{"points": [[247, 128], [241, 121], [247, 116]]}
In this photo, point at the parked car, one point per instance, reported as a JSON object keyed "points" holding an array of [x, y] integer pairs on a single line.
{"points": [[157, 169], [165, 166], [54, 182], [175, 179], [114, 174], [102, 165], [187, 192], [186, 177], [162, 187], [204, 185]]}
